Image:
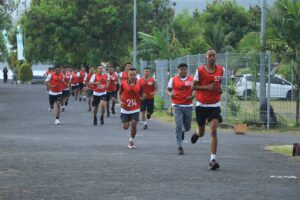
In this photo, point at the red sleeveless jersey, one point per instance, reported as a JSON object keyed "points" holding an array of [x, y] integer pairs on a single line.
{"points": [[81, 77], [66, 81], [112, 84], [103, 82], [181, 90], [56, 81], [131, 95], [74, 79], [124, 76], [148, 86], [89, 76], [206, 78]]}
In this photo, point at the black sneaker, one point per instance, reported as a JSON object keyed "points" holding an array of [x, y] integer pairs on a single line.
{"points": [[66, 103], [148, 116], [90, 109], [194, 138], [79, 98], [180, 151], [95, 121], [145, 126], [182, 136], [101, 120], [113, 110], [213, 165], [108, 114], [63, 110]]}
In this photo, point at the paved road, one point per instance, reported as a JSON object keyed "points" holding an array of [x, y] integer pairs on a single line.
{"points": [[77, 161]]}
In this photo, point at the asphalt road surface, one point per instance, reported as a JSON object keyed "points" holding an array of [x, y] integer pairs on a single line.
{"points": [[78, 161]]}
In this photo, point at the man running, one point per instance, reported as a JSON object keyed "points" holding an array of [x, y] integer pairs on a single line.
{"points": [[111, 90], [89, 91], [124, 75], [149, 86], [74, 83], [180, 90], [100, 82], [207, 83], [81, 90], [130, 95], [65, 88], [55, 82]]}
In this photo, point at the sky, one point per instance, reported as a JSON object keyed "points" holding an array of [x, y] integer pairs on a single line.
{"points": [[200, 4]]}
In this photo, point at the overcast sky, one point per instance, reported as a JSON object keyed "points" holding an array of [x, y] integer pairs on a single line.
{"points": [[200, 4]]}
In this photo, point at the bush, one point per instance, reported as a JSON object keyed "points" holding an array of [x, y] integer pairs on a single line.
{"points": [[25, 72]]}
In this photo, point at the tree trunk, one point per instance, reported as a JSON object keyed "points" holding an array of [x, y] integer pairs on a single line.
{"points": [[297, 86]]}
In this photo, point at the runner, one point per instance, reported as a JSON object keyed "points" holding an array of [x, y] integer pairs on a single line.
{"points": [[180, 90], [130, 95], [55, 82], [49, 71], [111, 90], [81, 90], [207, 83], [65, 88], [124, 75], [100, 82], [89, 91], [149, 86], [74, 83]]}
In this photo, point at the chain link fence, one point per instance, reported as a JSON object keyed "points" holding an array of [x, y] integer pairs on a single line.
{"points": [[242, 83]]}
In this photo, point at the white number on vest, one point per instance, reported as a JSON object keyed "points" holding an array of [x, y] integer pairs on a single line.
{"points": [[131, 103]]}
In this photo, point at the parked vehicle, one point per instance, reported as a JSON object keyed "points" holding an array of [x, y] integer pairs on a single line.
{"points": [[37, 79], [279, 88]]}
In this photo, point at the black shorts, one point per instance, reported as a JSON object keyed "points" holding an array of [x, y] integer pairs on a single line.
{"points": [[97, 99], [147, 104], [65, 93], [128, 117], [110, 95], [89, 93], [54, 99], [74, 87], [81, 85], [204, 114]]}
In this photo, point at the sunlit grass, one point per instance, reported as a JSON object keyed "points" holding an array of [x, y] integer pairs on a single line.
{"points": [[286, 150]]}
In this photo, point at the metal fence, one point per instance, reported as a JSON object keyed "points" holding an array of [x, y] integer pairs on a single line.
{"points": [[241, 86]]}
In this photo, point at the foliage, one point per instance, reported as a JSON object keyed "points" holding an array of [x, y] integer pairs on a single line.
{"points": [[25, 72], [233, 104], [250, 43], [159, 103]]}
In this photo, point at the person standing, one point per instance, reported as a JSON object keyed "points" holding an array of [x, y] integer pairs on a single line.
{"points": [[5, 72], [15, 76], [149, 86], [180, 90], [130, 95], [55, 85], [208, 87], [111, 90], [100, 82]]}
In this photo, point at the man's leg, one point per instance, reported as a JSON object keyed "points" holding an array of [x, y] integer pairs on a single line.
{"points": [[187, 119], [113, 103], [201, 119], [107, 104], [143, 110], [103, 106], [178, 130], [95, 108]]}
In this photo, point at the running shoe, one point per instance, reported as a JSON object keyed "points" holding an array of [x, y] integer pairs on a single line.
{"points": [[66, 103], [84, 98], [148, 116], [56, 122], [90, 109], [113, 110], [145, 126], [194, 138], [102, 120], [213, 165], [95, 121], [63, 110], [108, 114], [49, 109], [180, 151], [79, 98], [131, 145]]}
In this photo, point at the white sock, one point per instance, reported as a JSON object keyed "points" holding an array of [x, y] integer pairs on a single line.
{"points": [[213, 157], [145, 122], [130, 139]]}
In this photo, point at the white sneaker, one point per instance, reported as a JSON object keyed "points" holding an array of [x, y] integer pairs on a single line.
{"points": [[56, 122], [49, 109]]}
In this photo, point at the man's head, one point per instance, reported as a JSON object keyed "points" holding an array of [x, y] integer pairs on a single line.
{"points": [[127, 66], [111, 70], [211, 57], [100, 69], [57, 69], [182, 70], [147, 72], [91, 69], [131, 74]]}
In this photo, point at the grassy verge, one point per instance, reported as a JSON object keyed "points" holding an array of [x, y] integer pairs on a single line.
{"points": [[286, 150]]}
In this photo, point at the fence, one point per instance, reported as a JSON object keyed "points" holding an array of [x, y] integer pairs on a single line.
{"points": [[241, 82]]}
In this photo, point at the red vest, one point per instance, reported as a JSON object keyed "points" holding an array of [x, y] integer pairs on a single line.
{"points": [[148, 87], [205, 78], [112, 84], [74, 79], [103, 82], [81, 77], [66, 82], [181, 90], [89, 76], [124, 76], [57, 81], [131, 95]]}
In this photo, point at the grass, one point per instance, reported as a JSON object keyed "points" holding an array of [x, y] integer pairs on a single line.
{"points": [[286, 150]]}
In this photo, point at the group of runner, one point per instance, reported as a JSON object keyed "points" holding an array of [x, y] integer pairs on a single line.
{"points": [[136, 95]]}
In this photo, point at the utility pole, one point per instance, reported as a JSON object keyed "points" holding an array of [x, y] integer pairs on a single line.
{"points": [[134, 35], [262, 71]]}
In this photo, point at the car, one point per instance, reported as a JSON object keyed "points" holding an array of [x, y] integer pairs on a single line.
{"points": [[279, 88], [37, 79]]}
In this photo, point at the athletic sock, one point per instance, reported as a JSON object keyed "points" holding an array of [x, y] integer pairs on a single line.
{"points": [[213, 157], [145, 122], [130, 139]]}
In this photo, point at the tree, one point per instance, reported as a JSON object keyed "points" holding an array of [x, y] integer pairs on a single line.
{"points": [[285, 19]]}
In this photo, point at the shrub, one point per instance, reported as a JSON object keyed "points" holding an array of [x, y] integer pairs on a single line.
{"points": [[25, 72]]}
